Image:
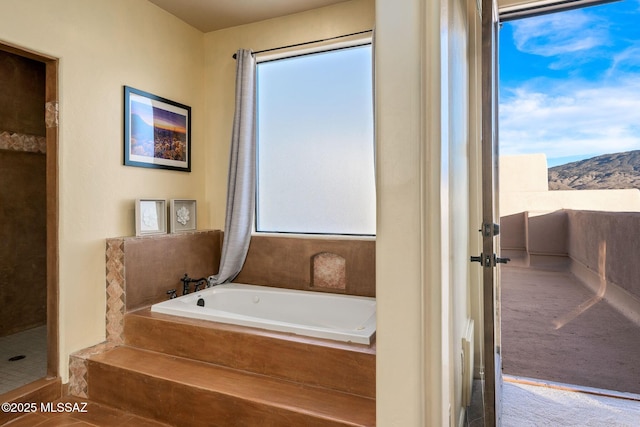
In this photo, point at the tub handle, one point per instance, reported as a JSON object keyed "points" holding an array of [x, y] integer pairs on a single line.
{"points": [[172, 293]]}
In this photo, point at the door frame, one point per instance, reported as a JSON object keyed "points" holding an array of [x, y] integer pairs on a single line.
{"points": [[52, 379], [492, 390]]}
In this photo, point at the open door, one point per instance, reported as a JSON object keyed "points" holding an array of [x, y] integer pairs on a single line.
{"points": [[492, 389]]}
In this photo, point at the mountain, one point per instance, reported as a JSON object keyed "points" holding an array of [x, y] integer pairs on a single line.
{"points": [[609, 171]]}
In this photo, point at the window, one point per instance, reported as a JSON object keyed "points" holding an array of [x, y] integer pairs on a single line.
{"points": [[315, 153]]}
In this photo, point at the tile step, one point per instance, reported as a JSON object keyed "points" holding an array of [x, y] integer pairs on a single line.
{"points": [[181, 392], [340, 366]]}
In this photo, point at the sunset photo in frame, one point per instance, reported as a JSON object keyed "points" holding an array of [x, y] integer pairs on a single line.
{"points": [[157, 132]]}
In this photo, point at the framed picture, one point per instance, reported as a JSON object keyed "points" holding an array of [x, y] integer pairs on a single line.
{"points": [[183, 215], [151, 216], [157, 132]]}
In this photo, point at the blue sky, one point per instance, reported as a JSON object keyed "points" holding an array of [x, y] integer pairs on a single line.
{"points": [[570, 83]]}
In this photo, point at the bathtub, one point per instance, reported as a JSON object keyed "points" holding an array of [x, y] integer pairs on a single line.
{"points": [[314, 314]]}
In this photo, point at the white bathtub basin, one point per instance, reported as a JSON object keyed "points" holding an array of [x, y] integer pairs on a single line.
{"points": [[314, 314]]}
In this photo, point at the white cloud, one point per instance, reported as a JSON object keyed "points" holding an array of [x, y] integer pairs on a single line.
{"points": [[571, 120], [556, 34], [626, 60]]}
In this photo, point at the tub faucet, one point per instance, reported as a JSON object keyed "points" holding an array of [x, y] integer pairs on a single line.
{"points": [[186, 283]]}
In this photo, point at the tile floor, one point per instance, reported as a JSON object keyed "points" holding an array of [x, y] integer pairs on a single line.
{"points": [[32, 344], [93, 415]]}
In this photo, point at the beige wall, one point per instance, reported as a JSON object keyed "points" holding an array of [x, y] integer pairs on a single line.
{"points": [[422, 185], [475, 182], [422, 99], [456, 140], [343, 18], [422, 160], [403, 335], [103, 45]]}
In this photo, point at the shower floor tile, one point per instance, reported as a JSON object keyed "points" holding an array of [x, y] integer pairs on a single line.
{"points": [[32, 344]]}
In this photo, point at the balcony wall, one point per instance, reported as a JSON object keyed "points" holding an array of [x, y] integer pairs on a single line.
{"points": [[600, 248], [607, 245]]}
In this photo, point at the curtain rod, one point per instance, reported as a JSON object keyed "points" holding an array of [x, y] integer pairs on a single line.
{"points": [[311, 42]]}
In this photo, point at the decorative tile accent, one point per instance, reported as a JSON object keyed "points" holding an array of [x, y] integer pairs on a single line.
{"points": [[51, 114], [22, 142], [329, 271], [78, 368], [115, 291]]}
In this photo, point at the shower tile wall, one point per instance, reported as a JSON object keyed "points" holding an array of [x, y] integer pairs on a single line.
{"points": [[23, 194]]}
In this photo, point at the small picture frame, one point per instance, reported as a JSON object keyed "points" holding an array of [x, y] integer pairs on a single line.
{"points": [[151, 216], [183, 215]]}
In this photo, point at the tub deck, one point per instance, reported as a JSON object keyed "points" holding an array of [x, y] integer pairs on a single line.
{"points": [[247, 376], [342, 366]]}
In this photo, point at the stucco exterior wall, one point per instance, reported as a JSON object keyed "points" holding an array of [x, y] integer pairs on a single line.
{"points": [[524, 188], [607, 243]]}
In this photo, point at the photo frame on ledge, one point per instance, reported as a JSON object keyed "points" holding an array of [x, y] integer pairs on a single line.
{"points": [[183, 215], [157, 132], [151, 216]]}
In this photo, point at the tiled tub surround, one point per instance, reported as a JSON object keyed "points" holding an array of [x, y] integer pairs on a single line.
{"points": [[139, 271], [317, 264], [245, 376]]}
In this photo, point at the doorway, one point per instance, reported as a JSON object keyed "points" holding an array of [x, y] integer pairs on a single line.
{"points": [[29, 223], [567, 106]]}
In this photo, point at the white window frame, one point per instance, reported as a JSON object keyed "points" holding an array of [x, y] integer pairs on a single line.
{"points": [[354, 40]]}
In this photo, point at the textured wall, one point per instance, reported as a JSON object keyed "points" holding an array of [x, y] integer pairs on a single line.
{"points": [[21, 95], [312, 264], [607, 240], [22, 194]]}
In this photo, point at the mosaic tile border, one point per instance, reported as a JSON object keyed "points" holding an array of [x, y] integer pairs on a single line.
{"points": [[51, 114], [22, 142], [78, 368], [115, 309]]}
